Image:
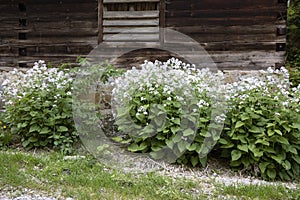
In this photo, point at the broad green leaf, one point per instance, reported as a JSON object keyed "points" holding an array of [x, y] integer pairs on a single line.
{"points": [[223, 141], [292, 150], [278, 158], [175, 129], [203, 161], [244, 117], [177, 138], [117, 139], [271, 173], [278, 132], [133, 147], [176, 121], [235, 155], [182, 146], [263, 166], [34, 128], [192, 147], [296, 125], [270, 133], [188, 132], [270, 125], [194, 160], [255, 129], [25, 143], [257, 153], [170, 144], [296, 158], [260, 141], [239, 124], [62, 129], [243, 147], [287, 165], [45, 130], [33, 139]]}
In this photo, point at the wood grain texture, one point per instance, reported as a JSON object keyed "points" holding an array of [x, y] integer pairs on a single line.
{"points": [[236, 34]]}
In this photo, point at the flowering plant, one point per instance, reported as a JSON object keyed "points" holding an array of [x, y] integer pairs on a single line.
{"points": [[38, 107], [165, 108], [262, 131]]}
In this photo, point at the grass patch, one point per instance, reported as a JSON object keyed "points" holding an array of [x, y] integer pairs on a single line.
{"points": [[87, 179]]}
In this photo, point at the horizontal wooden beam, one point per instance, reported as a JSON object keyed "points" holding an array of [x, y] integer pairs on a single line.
{"points": [[130, 30], [148, 22], [130, 14], [131, 37], [128, 1]]}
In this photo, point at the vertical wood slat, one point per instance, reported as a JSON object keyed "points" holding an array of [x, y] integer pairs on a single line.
{"points": [[162, 8], [100, 21]]}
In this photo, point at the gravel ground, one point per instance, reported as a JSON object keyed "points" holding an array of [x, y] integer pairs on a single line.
{"points": [[18, 193]]}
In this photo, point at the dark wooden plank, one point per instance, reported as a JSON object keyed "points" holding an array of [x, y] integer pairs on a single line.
{"points": [[218, 4], [100, 21], [129, 1]]}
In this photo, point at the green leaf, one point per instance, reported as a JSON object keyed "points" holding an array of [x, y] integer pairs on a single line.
{"points": [[34, 128], [182, 146], [255, 151], [175, 129], [62, 129], [243, 147], [278, 158], [271, 133], [244, 117], [133, 147], [271, 173], [188, 132], [263, 166], [194, 160], [235, 155], [45, 130], [193, 147], [278, 132], [203, 161], [287, 165], [170, 144], [255, 129], [176, 121], [260, 141], [25, 143], [239, 124], [296, 158], [177, 138], [296, 125], [33, 139]]}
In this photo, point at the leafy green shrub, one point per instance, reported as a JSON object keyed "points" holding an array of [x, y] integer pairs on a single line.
{"points": [[38, 107], [262, 131], [165, 109], [5, 135]]}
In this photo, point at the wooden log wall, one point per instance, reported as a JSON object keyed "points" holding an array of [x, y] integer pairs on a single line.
{"points": [[243, 35], [238, 34], [54, 30]]}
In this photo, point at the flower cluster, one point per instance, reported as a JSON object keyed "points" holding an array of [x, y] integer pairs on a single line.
{"points": [[173, 79], [39, 79], [38, 107], [268, 83]]}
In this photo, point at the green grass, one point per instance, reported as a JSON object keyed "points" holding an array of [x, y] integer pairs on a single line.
{"points": [[87, 179]]}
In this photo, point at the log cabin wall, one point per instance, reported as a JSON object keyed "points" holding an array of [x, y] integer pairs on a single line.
{"points": [[54, 30], [238, 34], [243, 35]]}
